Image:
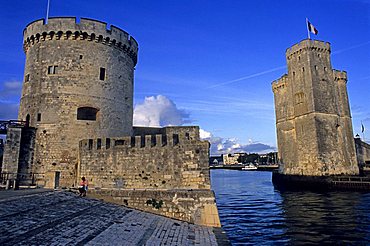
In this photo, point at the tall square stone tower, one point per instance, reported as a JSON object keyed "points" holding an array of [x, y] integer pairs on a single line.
{"points": [[313, 119]]}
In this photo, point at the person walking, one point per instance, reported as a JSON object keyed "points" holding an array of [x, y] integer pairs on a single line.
{"points": [[83, 186]]}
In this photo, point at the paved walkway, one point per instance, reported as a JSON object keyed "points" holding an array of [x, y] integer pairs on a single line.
{"points": [[63, 218]]}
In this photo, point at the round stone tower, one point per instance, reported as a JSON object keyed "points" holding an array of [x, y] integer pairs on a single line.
{"points": [[78, 84]]}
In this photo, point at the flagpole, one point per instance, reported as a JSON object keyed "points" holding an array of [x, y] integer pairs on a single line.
{"points": [[363, 131], [308, 31], [47, 12]]}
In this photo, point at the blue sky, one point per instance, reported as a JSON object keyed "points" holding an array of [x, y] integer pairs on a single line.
{"points": [[213, 61]]}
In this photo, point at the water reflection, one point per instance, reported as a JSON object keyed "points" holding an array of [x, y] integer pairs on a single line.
{"points": [[326, 218], [254, 213]]}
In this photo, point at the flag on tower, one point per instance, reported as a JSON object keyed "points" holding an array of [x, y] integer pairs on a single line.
{"points": [[362, 128], [311, 28]]}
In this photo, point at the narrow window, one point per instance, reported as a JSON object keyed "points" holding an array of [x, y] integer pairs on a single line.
{"points": [[81, 57], [98, 144], [27, 78], [102, 73], [325, 69], [52, 69], [299, 58], [175, 139], [302, 69], [107, 143], [187, 135], [39, 117], [315, 67], [91, 142], [86, 113]]}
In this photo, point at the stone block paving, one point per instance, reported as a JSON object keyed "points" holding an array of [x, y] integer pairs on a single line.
{"points": [[63, 218]]}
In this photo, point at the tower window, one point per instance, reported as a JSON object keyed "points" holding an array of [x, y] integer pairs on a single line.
{"points": [[27, 78], [52, 69], [315, 67], [81, 57], [325, 69], [98, 143], [91, 144], [39, 117], [107, 143], [86, 113], [302, 69], [102, 73]]}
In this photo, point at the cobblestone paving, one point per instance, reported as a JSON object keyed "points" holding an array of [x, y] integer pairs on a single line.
{"points": [[63, 218]]}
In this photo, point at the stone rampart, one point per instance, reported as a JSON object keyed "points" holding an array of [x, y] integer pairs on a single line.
{"points": [[308, 45], [194, 206], [151, 161]]}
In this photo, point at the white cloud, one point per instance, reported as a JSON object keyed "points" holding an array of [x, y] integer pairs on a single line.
{"points": [[232, 145], [158, 111]]}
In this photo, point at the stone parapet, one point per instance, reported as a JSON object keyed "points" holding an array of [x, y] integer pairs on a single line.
{"points": [[68, 28], [194, 206], [308, 44]]}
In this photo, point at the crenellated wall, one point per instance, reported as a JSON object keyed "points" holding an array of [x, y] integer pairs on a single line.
{"points": [[165, 172], [170, 161]]}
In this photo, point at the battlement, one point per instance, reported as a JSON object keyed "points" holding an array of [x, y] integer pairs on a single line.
{"points": [[340, 75], [279, 83], [68, 28], [308, 44], [145, 141]]}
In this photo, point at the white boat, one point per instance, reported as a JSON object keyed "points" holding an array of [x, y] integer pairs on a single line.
{"points": [[249, 167]]}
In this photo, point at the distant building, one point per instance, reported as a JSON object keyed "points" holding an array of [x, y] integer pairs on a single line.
{"points": [[216, 160], [232, 159], [362, 153]]}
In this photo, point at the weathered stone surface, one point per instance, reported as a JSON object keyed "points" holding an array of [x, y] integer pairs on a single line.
{"points": [[362, 152], [178, 159], [313, 120], [78, 50], [194, 206], [62, 218]]}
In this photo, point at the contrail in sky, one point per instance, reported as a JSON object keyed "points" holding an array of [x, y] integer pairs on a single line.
{"points": [[350, 48], [280, 68], [247, 77]]}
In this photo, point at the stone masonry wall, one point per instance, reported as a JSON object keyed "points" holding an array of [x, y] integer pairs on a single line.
{"points": [[362, 152], [72, 65], [11, 152], [194, 206], [170, 161]]}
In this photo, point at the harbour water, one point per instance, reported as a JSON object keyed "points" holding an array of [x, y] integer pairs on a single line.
{"points": [[252, 212]]}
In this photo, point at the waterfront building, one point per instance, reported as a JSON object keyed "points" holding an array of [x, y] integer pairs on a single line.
{"points": [[313, 118]]}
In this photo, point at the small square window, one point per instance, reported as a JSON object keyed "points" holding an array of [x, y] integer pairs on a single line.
{"points": [[52, 69]]}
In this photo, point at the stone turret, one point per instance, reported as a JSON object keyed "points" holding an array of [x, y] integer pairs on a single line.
{"points": [[78, 83], [313, 119]]}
